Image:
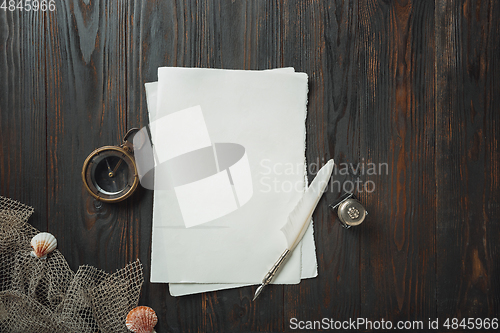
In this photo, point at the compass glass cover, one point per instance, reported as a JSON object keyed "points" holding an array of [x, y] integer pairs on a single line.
{"points": [[110, 175]]}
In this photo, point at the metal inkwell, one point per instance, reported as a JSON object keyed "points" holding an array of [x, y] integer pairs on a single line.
{"points": [[110, 173], [350, 211]]}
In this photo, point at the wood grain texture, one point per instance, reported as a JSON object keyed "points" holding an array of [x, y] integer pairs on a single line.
{"points": [[396, 95], [320, 39], [467, 164], [86, 88], [23, 111], [411, 86]]}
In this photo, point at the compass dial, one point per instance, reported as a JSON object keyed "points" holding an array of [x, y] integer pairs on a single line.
{"points": [[110, 174]]}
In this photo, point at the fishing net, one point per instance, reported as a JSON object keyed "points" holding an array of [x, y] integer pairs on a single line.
{"points": [[45, 295]]}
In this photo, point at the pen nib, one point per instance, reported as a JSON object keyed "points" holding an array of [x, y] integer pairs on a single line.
{"points": [[258, 291]]}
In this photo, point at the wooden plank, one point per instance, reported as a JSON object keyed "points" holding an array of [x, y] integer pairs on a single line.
{"points": [[320, 39], [23, 111], [86, 89], [396, 109], [467, 151], [215, 34], [149, 28]]}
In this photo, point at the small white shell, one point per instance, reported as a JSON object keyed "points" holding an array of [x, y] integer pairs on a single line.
{"points": [[141, 319], [43, 244]]}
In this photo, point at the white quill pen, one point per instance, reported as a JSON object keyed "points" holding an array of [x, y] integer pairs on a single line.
{"points": [[298, 220]]}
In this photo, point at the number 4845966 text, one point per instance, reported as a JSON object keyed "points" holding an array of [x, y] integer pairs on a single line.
{"points": [[28, 5]]}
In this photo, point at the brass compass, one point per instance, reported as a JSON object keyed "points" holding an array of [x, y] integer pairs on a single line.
{"points": [[110, 173]]}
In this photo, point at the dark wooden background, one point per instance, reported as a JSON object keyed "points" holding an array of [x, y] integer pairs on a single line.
{"points": [[414, 84]]}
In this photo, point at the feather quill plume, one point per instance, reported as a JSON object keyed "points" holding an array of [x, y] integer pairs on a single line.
{"points": [[298, 221], [300, 217]]}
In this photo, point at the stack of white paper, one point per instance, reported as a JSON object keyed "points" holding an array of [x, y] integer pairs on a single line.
{"points": [[229, 149]]}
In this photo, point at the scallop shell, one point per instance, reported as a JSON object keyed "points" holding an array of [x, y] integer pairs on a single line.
{"points": [[141, 319], [43, 244]]}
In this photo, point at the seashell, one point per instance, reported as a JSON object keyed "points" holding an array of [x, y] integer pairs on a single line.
{"points": [[141, 319], [43, 244]]}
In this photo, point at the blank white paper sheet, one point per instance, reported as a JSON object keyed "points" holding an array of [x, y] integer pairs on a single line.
{"points": [[234, 143]]}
